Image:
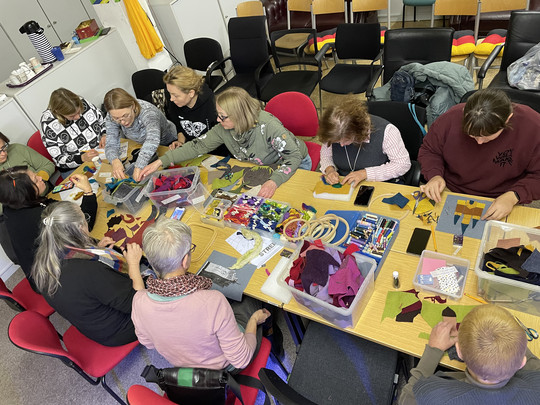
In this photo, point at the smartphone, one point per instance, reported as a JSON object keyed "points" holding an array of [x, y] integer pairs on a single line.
{"points": [[68, 185], [419, 241], [178, 213], [363, 196], [104, 31]]}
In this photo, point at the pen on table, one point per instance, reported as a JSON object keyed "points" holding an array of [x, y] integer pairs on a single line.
{"points": [[434, 238], [480, 300]]}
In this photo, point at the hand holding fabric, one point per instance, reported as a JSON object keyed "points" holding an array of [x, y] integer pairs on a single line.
{"points": [[118, 169], [107, 242], [443, 336], [151, 168], [501, 207], [434, 188], [355, 177], [268, 189], [331, 176]]}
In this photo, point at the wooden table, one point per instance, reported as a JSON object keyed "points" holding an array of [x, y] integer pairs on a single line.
{"points": [[402, 336]]}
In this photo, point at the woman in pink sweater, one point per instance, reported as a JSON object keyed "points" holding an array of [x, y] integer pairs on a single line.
{"points": [[179, 316]]}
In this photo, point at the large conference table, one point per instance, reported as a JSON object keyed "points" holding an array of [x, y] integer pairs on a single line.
{"points": [[402, 336]]}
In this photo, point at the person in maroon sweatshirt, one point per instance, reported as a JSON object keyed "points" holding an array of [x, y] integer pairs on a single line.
{"points": [[488, 147]]}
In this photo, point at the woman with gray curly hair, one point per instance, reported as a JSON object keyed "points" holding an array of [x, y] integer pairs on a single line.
{"points": [[82, 279]]}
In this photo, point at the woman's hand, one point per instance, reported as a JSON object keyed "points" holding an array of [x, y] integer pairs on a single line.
{"points": [[133, 254], [102, 141], [176, 144], [118, 169], [81, 181], [268, 189], [355, 177], [107, 242], [331, 175], [433, 188], [89, 155], [151, 168], [501, 207], [260, 316], [137, 174]]}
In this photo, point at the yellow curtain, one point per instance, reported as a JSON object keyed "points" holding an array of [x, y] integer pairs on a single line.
{"points": [[145, 34]]}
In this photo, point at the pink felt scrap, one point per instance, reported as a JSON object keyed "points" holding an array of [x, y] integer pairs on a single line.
{"points": [[345, 283], [508, 243], [428, 265]]}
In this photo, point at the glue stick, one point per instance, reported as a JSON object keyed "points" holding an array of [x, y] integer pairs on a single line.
{"points": [[395, 276]]}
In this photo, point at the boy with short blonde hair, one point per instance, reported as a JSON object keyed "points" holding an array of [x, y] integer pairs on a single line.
{"points": [[500, 367]]}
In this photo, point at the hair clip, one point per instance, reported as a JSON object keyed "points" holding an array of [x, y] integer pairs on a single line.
{"points": [[48, 221]]}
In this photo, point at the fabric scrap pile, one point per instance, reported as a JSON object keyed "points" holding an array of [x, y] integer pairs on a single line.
{"points": [[268, 216], [170, 183], [521, 263]]}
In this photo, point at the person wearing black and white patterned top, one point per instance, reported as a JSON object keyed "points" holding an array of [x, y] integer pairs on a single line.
{"points": [[71, 129]]}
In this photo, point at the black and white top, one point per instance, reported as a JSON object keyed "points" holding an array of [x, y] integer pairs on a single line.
{"points": [[67, 143]]}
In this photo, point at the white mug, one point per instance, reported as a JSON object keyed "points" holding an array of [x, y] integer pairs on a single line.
{"points": [[13, 79]]}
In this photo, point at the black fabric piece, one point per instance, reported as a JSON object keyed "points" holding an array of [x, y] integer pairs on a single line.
{"points": [[453, 355], [408, 316], [511, 259], [449, 312]]}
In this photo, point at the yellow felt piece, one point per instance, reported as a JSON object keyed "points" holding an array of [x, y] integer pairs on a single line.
{"points": [[320, 188], [423, 206], [43, 174]]}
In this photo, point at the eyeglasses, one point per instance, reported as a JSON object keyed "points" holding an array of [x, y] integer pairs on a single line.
{"points": [[222, 117], [123, 118], [4, 148], [193, 247]]}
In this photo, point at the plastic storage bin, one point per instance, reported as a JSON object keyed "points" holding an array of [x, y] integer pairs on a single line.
{"points": [[462, 265], [131, 200], [341, 317], [193, 195], [512, 294]]}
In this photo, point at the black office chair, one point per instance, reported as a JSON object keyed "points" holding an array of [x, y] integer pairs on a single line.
{"points": [[303, 79], [530, 98], [354, 42], [523, 33], [402, 117], [249, 54], [200, 53], [334, 367], [146, 81], [420, 45]]}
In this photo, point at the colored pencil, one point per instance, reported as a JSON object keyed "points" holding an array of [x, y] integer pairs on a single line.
{"points": [[480, 300], [434, 239]]}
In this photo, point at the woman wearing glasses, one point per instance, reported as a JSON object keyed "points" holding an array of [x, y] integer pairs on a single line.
{"points": [[16, 154], [71, 129], [249, 134], [21, 192], [83, 279], [139, 121]]}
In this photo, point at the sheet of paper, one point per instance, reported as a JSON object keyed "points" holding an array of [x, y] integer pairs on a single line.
{"points": [[209, 162], [429, 265], [123, 151], [242, 245]]}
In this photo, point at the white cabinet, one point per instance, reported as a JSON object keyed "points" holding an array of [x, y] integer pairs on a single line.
{"points": [[10, 56], [14, 123], [64, 16]]}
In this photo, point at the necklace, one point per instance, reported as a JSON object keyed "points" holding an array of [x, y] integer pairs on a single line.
{"points": [[355, 160]]}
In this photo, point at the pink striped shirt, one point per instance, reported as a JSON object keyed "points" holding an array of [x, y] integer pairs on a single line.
{"points": [[392, 146]]}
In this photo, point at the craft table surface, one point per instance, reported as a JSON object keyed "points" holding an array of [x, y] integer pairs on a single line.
{"points": [[402, 336]]}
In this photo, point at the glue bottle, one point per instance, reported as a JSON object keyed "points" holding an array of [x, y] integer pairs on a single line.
{"points": [[395, 276]]}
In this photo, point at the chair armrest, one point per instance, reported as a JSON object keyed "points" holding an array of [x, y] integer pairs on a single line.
{"points": [[320, 55], [280, 390], [373, 82], [218, 64], [258, 74], [487, 63], [412, 177]]}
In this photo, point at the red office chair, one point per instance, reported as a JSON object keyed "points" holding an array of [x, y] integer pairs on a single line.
{"points": [[23, 298], [33, 332], [36, 143], [140, 395], [298, 114]]}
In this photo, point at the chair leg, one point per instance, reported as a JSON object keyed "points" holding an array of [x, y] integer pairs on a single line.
{"points": [[402, 18], [280, 363], [320, 99], [432, 14], [414, 13], [110, 391]]}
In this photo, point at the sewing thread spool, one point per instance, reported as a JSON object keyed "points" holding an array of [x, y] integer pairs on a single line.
{"points": [[395, 281]]}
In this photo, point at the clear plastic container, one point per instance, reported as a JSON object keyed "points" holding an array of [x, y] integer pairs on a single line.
{"points": [[192, 195], [132, 200]]}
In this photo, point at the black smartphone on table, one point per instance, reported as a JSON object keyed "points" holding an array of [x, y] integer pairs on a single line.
{"points": [[363, 197], [419, 241]]}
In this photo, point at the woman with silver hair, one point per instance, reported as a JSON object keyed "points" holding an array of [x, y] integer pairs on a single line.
{"points": [[178, 315], [82, 279]]}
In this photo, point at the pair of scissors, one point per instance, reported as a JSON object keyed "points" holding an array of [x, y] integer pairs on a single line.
{"points": [[418, 196], [531, 333]]}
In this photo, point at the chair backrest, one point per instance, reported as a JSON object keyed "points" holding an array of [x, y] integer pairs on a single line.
{"points": [[201, 52], [455, 7], [421, 45], [530, 98], [350, 46], [10, 298], [523, 33], [321, 7], [293, 6], [296, 112], [36, 143], [399, 114], [146, 81], [248, 43], [249, 8], [368, 5], [33, 332]]}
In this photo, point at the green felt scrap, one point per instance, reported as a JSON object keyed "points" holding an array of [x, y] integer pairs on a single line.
{"points": [[432, 313], [195, 161], [424, 335], [395, 302], [222, 183]]}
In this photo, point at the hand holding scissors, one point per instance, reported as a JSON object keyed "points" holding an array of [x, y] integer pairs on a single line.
{"points": [[531, 333], [418, 196]]}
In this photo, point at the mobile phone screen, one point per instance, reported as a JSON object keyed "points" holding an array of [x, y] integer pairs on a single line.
{"points": [[363, 196], [419, 241], [62, 187]]}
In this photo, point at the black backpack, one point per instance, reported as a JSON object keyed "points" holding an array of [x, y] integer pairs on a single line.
{"points": [[402, 87]]}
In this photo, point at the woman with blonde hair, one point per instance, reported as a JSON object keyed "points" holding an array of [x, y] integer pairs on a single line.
{"points": [[71, 129], [360, 146], [193, 106], [249, 134], [139, 121], [83, 279]]}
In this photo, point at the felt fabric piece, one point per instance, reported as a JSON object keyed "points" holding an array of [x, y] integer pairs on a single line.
{"points": [[424, 335], [436, 298], [256, 175], [448, 315], [423, 206], [227, 181], [117, 236], [214, 174], [412, 291], [432, 313], [409, 312], [321, 188], [399, 199], [508, 243], [345, 283], [117, 219], [395, 302], [170, 183], [128, 218], [193, 162], [316, 268], [446, 219], [429, 264], [452, 354], [110, 212], [532, 264]]}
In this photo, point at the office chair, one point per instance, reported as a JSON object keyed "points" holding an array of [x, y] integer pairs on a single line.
{"points": [[24, 298], [414, 4], [298, 114], [401, 116], [334, 367], [140, 395], [35, 142], [34, 332], [200, 53], [146, 81]]}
